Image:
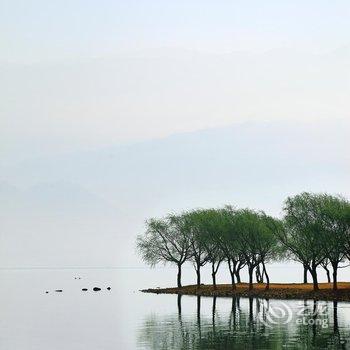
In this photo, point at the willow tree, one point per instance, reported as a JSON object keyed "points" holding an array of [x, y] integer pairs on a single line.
{"points": [[196, 225], [210, 227], [256, 238], [347, 243], [268, 245], [325, 264], [228, 243], [166, 240], [333, 213], [303, 234]]}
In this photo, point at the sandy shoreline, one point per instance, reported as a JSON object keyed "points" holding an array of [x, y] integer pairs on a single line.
{"points": [[276, 291]]}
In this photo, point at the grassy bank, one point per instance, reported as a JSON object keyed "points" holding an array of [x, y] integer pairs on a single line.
{"points": [[276, 291]]}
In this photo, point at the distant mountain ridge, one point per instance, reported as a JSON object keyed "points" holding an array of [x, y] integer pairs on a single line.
{"points": [[98, 200]]}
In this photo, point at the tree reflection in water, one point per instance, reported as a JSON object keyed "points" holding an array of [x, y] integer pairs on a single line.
{"points": [[239, 327]]}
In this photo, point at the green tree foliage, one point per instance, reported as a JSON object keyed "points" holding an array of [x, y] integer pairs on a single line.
{"points": [[209, 224], [229, 244], [332, 213], [256, 237], [197, 222], [166, 240], [315, 231], [302, 232]]}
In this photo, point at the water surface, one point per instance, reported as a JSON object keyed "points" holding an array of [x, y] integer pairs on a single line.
{"points": [[124, 318]]}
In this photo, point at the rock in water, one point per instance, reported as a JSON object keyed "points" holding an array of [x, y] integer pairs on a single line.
{"points": [[59, 290], [96, 289], [84, 289], [109, 288]]}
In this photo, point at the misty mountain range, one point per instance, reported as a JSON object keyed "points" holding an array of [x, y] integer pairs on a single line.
{"points": [[87, 207], [82, 104]]}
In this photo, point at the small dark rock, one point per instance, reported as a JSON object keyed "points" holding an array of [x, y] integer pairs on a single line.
{"points": [[47, 292], [109, 288], [84, 289], [59, 290], [96, 289]]}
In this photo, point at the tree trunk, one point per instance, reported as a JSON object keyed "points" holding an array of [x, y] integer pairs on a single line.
{"points": [[335, 282], [267, 277], [179, 276], [233, 280], [314, 277], [335, 276], [198, 273], [258, 274], [250, 271], [261, 276], [232, 273], [238, 276], [213, 274], [328, 274], [305, 273]]}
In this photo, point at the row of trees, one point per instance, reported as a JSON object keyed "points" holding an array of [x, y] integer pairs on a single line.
{"points": [[314, 230]]}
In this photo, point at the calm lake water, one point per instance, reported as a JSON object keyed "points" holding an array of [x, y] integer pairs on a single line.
{"points": [[124, 318]]}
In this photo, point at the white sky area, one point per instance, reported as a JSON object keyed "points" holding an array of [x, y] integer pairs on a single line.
{"points": [[42, 31], [84, 74], [115, 111]]}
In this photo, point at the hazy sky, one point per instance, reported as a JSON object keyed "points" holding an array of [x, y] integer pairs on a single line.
{"points": [[40, 31], [86, 208], [267, 82], [84, 74]]}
